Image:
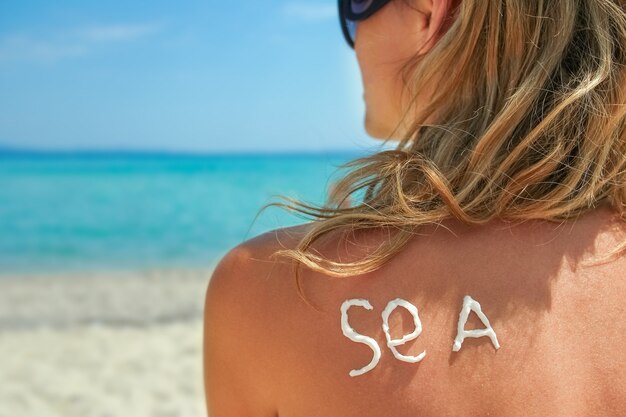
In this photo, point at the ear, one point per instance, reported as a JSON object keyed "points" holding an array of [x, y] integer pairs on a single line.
{"points": [[438, 21]]}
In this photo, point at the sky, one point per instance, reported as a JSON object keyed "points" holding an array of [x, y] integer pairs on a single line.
{"points": [[206, 76]]}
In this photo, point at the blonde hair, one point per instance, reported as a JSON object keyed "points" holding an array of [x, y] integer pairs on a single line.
{"points": [[531, 125]]}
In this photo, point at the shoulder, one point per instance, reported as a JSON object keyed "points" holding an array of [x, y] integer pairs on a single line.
{"points": [[237, 349], [250, 263]]}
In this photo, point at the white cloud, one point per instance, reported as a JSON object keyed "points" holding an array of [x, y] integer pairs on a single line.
{"points": [[312, 11], [69, 44], [23, 48], [116, 33]]}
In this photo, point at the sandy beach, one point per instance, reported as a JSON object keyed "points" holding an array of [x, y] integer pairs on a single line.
{"points": [[102, 344]]}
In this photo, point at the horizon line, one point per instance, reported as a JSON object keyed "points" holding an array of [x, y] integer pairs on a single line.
{"points": [[12, 150]]}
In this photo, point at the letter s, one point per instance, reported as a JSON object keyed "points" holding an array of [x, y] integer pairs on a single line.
{"points": [[356, 337]]}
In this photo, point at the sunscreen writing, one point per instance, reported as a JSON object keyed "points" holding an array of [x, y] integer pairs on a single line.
{"points": [[469, 304]]}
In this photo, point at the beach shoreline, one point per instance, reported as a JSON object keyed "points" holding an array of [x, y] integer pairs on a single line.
{"points": [[102, 343]]}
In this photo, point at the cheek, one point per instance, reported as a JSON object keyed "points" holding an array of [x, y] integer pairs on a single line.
{"points": [[384, 43], [379, 71], [382, 86], [381, 57]]}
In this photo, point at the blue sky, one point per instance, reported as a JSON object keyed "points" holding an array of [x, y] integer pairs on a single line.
{"points": [[206, 75]]}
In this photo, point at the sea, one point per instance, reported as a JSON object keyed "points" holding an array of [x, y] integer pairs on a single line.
{"points": [[85, 211]]}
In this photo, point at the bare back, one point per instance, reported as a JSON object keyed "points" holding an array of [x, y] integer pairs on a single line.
{"points": [[559, 325]]}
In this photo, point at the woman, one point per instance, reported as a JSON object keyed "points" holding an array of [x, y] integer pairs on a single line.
{"points": [[502, 210]]}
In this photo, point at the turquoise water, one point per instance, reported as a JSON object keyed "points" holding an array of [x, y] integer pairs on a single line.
{"points": [[61, 212]]}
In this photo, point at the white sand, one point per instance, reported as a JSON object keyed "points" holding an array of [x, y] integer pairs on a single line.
{"points": [[102, 345]]}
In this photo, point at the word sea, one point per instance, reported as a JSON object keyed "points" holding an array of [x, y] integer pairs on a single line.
{"points": [[469, 304]]}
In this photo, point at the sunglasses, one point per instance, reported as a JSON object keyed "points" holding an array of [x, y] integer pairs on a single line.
{"points": [[353, 11]]}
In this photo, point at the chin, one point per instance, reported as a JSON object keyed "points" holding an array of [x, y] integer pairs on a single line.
{"points": [[376, 129]]}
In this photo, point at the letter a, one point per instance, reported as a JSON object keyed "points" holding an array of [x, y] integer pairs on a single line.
{"points": [[470, 304], [356, 337]]}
